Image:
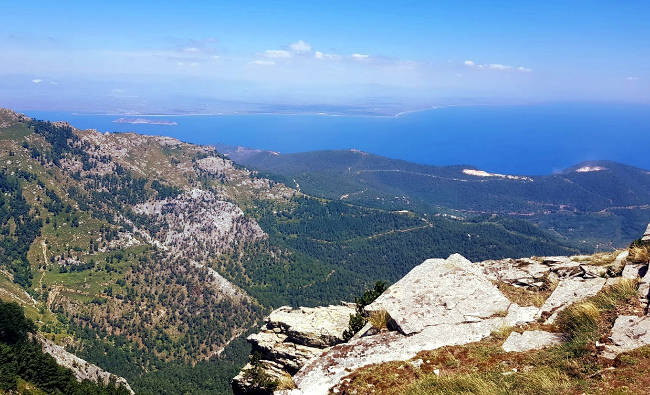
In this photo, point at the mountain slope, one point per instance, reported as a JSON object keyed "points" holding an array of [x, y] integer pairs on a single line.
{"points": [[600, 203], [151, 258]]}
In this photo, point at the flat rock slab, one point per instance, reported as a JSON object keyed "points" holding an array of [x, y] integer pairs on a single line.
{"points": [[518, 315], [514, 270], [441, 291], [320, 374], [632, 271], [593, 271], [629, 332], [315, 327], [530, 340], [569, 291]]}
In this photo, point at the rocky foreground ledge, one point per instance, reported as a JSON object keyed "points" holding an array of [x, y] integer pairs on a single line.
{"points": [[447, 302]]}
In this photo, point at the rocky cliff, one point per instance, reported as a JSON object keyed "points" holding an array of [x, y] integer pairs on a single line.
{"points": [[538, 302], [82, 369]]}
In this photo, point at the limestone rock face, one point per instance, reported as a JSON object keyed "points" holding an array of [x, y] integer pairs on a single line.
{"points": [[629, 332], [274, 347], [570, 291], [439, 303], [439, 292], [315, 327], [289, 338], [646, 235], [82, 370], [530, 340]]}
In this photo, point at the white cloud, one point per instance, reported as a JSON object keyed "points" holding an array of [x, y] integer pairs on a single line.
{"points": [[191, 49], [37, 81], [263, 62], [359, 56], [300, 47], [320, 55], [188, 64], [631, 78], [277, 54], [496, 66]]}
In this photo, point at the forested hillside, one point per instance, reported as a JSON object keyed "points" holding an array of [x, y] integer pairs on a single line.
{"points": [[25, 368], [598, 204], [153, 258]]}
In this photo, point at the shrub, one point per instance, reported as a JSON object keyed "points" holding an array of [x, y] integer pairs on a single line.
{"points": [[258, 377], [359, 319]]}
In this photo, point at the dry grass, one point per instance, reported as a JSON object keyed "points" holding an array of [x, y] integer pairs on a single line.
{"points": [[639, 254], [379, 319], [523, 296], [285, 383], [502, 333], [598, 259], [580, 319], [536, 381]]}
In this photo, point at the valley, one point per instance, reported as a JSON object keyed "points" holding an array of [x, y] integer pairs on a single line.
{"points": [[154, 259]]}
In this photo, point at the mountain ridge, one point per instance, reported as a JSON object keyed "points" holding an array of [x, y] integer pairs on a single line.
{"points": [[568, 202]]}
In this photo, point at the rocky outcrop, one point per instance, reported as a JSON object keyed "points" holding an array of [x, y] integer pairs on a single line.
{"points": [[197, 225], [439, 303], [82, 370], [440, 291], [288, 339], [448, 302], [317, 327], [646, 235], [530, 340]]}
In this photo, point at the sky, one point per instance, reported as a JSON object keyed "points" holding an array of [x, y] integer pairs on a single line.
{"points": [[167, 56]]}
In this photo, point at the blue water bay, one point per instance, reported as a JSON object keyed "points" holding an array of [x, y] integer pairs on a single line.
{"points": [[524, 139]]}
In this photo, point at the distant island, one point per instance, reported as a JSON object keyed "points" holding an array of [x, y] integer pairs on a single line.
{"points": [[145, 121]]}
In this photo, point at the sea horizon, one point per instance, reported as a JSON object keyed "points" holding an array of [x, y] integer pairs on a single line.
{"points": [[526, 139]]}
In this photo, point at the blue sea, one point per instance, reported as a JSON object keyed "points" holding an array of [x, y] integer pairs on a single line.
{"points": [[525, 139]]}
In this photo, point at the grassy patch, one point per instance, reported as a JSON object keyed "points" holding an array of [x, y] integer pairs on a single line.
{"points": [[15, 132], [536, 381]]}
